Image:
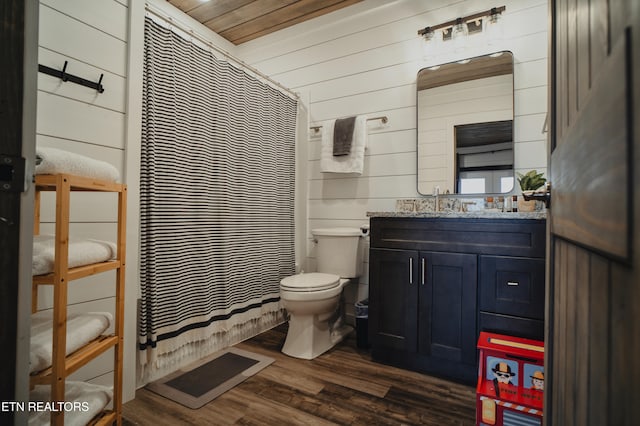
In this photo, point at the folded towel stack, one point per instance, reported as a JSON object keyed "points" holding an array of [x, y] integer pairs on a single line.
{"points": [[81, 329], [343, 144], [81, 252], [50, 161]]}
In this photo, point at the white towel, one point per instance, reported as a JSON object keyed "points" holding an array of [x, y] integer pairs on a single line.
{"points": [[50, 161], [81, 329], [81, 252], [352, 163], [89, 399]]}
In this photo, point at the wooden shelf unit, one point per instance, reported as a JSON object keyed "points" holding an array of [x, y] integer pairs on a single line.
{"points": [[62, 365]]}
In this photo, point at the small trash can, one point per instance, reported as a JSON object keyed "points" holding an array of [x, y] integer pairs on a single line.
{"points": [[362, 324]]}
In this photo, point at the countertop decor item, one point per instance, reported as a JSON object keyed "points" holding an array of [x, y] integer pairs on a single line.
{"points": [[529, 182]]}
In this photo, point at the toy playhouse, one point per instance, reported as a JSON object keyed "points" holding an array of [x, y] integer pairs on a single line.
{"points": [[510, 381]]}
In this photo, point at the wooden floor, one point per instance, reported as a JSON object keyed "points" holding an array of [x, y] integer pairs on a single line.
{"points": [[342, 386]]}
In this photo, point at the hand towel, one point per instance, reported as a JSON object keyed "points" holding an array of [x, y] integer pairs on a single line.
{"points": [[352, 163], [343, 136], [50, 161]]}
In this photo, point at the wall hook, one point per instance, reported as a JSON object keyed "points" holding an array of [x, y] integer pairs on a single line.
{"points": [[72, 78], [100, 89], [64, 72]]}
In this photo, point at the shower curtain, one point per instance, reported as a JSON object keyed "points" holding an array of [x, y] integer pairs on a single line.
{"points": [[217, 201]]}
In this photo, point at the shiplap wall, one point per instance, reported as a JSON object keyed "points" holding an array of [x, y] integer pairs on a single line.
{"points": [[363, 59], [92, 36]]}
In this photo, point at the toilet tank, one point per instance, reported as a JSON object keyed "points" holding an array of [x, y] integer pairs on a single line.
{"points": [[339, 251]]}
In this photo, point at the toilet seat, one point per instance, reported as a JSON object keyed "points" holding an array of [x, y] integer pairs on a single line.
{"points": [[314, 281]]}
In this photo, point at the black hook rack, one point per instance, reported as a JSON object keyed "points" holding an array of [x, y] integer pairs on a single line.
{"points": [[64, 76]]}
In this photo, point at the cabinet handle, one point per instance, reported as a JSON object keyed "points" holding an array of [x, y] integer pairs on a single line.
{"points": [[423, 269], [513, 283], [411, 270]]}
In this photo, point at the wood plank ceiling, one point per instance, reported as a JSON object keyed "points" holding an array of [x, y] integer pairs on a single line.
{"points": [[242, 20]]}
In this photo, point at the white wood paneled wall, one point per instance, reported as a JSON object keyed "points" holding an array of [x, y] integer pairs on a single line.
{"points": [[92, 36], [363, 59]]}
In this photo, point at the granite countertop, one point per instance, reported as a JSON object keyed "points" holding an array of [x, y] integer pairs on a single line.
{"points": [[539, 215]]}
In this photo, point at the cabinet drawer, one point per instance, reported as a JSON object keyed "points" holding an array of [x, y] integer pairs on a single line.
{"points": [[512, 286], [511, 326]]}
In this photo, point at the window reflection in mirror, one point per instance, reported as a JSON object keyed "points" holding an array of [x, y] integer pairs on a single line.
{"points": [[465, 126], [484, 156]]}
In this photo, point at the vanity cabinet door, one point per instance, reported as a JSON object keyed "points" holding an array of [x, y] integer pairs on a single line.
{"points": [[393, 294], [447, 307]]}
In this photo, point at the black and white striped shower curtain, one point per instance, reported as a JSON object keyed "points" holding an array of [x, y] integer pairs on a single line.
{"points": [[217, 198]]}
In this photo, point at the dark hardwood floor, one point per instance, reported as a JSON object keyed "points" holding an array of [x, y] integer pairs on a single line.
{"points": [[342, 386]]}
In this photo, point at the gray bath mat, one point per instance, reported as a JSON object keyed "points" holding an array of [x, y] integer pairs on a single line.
{"points": [[203, 381]]}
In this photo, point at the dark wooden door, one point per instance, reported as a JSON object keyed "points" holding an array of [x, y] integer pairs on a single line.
{"points": [[393, 299], [18, 69], [447, 306], [11, 149], [593, 311]]}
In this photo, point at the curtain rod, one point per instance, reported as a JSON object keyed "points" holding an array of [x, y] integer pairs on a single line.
{"points": [[185, 27], [382, 118]]}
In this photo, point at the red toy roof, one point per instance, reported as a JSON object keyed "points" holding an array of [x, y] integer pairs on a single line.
{"points": [[517, 346]]}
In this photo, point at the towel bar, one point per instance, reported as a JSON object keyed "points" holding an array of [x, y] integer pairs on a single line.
{"points": [[383, 118]]}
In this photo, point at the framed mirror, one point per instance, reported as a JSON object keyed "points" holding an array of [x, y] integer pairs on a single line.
{"points": [[465, 126]]}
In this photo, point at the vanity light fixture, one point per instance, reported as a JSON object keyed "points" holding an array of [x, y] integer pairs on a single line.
{"points": [[457, 29]]}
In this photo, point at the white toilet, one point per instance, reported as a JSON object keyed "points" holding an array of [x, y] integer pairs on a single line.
{"points": [[312, 300]]}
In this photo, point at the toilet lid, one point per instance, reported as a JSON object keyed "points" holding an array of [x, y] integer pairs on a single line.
{"points": [[310, 282]]}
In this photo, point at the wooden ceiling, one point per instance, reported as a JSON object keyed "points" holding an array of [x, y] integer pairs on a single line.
{"points": [[489, 133], [242, 20]]}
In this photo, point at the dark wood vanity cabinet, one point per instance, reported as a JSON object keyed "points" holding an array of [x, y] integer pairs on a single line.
{"points": [[435, 283]]}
